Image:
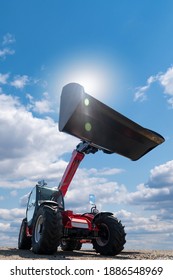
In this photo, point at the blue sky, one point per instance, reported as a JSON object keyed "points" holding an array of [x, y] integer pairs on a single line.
{"points": [[121, 52]]}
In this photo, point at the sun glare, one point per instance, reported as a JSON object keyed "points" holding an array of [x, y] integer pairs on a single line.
{"points": [[98, 74]]}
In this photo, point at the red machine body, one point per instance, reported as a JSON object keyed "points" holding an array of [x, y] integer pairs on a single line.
{"points": [[75, 223], [76, 158]]}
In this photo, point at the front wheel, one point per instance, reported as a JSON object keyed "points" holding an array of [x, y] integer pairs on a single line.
{"points": [[111, 236], [47, 230]]}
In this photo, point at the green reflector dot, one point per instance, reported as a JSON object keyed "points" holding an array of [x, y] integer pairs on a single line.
{"points": [[86, 102], [88, 126]]}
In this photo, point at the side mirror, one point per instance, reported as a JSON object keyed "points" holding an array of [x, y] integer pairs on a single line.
{"points": [[42, 183]]}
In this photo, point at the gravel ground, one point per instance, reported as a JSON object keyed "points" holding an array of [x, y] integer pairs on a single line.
{"points": [[85, 254]]}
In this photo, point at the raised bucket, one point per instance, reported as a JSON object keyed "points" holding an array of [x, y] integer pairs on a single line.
{"points": [[87, 118]]}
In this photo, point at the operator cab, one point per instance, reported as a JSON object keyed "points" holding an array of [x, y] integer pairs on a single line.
{"points": [[39, 195]]}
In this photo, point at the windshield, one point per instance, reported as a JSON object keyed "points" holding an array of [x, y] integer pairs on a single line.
{"points": [[50, 194]]}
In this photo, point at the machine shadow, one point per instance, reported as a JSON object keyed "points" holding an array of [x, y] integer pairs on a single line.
{"points": [[14, 253]]}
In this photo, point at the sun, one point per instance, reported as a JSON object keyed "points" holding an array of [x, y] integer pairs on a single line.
{"points": [[98, 74], [88, 74]]}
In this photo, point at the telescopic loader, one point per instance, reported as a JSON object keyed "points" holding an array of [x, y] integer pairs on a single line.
{"points": [[48, 224]]}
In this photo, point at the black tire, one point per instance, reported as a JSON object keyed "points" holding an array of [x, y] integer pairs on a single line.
{"points": [[70, 245], [47, 230], [24, 241], [111, 236], [78, 245]]}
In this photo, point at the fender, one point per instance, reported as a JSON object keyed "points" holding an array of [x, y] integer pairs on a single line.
{"points": [[49, 203], [102, 214]]}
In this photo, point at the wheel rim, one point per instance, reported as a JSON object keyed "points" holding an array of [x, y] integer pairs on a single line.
{"points": [[63, 242], [104, 234], [38, 228]]}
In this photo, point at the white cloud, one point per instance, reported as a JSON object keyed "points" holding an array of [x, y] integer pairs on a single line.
{"points": [[5, 227], [140, 94], [29, 96], [20, 82], [7, 103], [13, 193], [170, 101], [146, 194], [145, 231], [6, 51], [157, 194], [105, 171], [107, 192], [9, 229], [24, 199], [30, 147], [43, 106], [137, 222], [165, 80], [11, 214], [162, 175], [8, 39], [4, 78]]}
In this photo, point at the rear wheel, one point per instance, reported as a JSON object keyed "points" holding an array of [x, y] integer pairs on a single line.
{"points": [[24, 241], [70, 245], [47, 230], [111, 236]]}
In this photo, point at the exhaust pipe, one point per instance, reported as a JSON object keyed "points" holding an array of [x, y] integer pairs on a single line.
{"points": [[90, 120]]}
